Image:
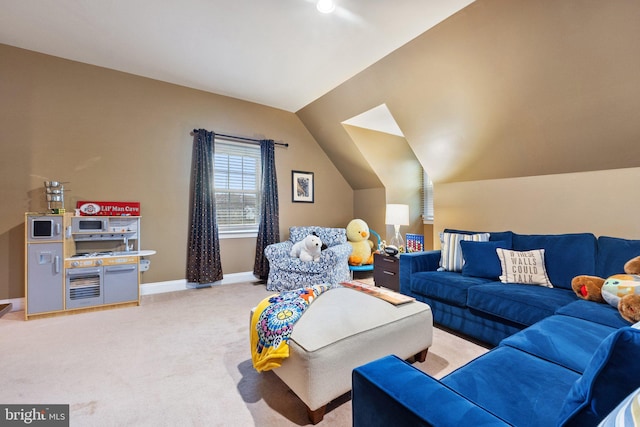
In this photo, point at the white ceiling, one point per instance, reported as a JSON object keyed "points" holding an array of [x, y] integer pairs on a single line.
{"points": [[280, 53]]}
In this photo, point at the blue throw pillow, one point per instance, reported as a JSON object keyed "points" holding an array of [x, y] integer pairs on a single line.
{"points": [[451, 258], [611, 375], [481, 259]]}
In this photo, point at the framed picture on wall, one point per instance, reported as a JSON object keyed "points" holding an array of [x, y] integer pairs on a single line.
{"points": [[302, 187]]}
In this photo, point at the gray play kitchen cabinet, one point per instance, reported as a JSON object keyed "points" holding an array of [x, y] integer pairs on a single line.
{"points": [[44, 264], [76, 263]]}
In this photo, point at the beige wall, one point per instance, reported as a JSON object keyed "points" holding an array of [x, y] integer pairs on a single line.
{"points": [[429, 242], [366, 206], [115, 136], [395, 165], [601, 202]]}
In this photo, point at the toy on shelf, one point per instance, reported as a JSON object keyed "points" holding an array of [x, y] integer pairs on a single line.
{"points": [[415, 242]]}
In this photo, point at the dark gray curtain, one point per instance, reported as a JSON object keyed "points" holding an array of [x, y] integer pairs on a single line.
{"points": [[203, 257], [269, 228]]}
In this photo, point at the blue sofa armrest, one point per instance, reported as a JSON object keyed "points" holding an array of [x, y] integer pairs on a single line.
{"points": [[388, 391], [415, 262]]}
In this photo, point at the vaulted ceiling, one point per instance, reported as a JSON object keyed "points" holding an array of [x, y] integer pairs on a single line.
{"points": [[281, 53], [501, 89]]}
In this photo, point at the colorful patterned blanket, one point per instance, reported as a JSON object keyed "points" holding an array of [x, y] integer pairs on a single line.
{"points": [[272, 323]]}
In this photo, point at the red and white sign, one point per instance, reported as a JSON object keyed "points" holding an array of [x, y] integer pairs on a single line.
{"points": [[108, 208]]}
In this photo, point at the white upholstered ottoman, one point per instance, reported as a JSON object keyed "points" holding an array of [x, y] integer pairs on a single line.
{"points": [[343, 329]]}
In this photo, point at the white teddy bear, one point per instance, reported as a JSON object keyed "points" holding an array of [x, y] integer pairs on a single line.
{"points": [[307, 249]]}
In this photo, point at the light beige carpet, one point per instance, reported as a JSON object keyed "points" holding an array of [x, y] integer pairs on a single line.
{"points": [[180, 359]]}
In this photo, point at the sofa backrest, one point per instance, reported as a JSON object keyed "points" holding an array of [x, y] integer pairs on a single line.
{"points": [[613, 253], [612, 374], [329, 236], [494, 236], [565, 255]]}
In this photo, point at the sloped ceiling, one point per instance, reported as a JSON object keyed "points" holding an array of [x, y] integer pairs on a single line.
{"points": [[282, 53], [502, 89]]}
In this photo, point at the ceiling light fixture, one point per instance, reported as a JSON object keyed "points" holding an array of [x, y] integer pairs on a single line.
{"points": [[326, 6]]}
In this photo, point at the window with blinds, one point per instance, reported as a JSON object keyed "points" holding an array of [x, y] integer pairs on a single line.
{"points": [[236, 175], [427, 197]]}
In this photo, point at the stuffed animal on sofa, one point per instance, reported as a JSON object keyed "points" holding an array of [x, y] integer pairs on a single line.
{"points": [[620, 290], [623, 291], [308, 249], [588, 287], [358, 237]]}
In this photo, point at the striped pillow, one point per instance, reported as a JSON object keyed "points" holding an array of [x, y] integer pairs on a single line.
{"points": [[626, 414], [451, 254]]}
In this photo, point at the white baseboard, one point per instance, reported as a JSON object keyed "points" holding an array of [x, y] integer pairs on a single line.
{"points": [[17, 303], [182, 285], [161, 287]]}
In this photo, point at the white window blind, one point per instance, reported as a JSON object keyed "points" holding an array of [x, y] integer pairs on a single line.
{"points": [[236, 174], [427, 200]]}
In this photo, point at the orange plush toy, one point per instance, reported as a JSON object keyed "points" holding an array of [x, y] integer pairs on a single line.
{"points": [[632, 266], [588, 287]]}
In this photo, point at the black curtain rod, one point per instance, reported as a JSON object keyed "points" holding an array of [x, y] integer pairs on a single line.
{"points": [[240, 138]]}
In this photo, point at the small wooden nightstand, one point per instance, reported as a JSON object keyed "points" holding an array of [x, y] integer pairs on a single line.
{"points": [[386, 271]]}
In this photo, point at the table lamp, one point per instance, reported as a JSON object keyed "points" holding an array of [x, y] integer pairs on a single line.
{"points": [[397, 215]]}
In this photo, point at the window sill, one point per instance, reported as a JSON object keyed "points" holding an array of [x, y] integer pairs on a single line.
{"points": [[223, 235]]}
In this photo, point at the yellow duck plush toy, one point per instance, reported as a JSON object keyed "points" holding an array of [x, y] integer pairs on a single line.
{"points": [[358, 237]]}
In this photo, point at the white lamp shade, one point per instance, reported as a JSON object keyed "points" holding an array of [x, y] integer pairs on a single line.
{"points": [[397, 215]]}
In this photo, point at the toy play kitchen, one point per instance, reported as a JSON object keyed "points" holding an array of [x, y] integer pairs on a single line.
{"points": [[92, 260]]}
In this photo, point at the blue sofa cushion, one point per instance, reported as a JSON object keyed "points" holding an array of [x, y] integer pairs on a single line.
{"points": [[613, 253], [517, 387], [613, 373], [566, 255], [594, 312], [481, 259], [390, 392], [567, 341], [445, 286], [523, 304]]}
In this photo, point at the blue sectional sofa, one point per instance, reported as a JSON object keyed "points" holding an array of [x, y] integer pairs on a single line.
{"points": [[474, 302], [558, 361], [570, 369]]}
